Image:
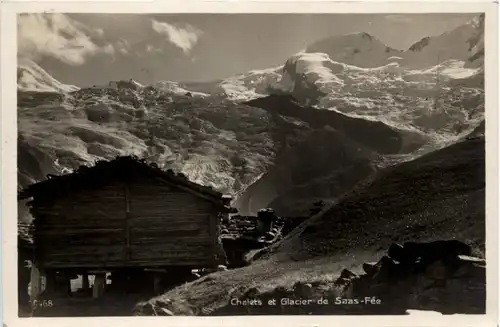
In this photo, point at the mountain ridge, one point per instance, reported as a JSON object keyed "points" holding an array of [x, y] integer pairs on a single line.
{"points": [[233, 133]]}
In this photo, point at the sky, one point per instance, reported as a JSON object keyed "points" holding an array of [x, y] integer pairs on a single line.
{"points": [[89, 49]]}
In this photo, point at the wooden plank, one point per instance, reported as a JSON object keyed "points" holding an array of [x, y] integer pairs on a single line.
{"points": [[75, 230], [191, 224], [162, 234], [76, 250], [127, 223], [214, 235], [145, 253], [155, 242], [162, 248], [58, 239]]}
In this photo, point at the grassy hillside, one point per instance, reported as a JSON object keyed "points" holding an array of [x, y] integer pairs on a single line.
{"points": [[322, 167], [438, 196], [329, 162]]}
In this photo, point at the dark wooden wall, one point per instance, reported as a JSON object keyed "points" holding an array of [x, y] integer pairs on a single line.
{"points": [[171, 226], [140, 223]]}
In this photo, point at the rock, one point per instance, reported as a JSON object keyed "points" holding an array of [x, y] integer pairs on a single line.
{"points": [[446, 280], [317, 284], [153, 309], [251, 293], [384, 261], [304, 290], [341, 281], [465, 258], [431, 251], [470, 269], [270, 235], [207, 311], [164, 312], [369, 268], [387, 270], [397, 252], [347, 274], [281, 291], [221, 268], [465, 295], [437, 271]]}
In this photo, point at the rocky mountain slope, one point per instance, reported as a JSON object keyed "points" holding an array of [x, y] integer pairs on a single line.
{"points": [[206, 140], [211, 140], [448, 203], [232, 133], [446, 185], [330, 161]]}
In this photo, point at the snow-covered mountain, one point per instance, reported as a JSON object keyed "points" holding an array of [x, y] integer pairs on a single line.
{"points": [[31, 77], [366, 51], [443, 100], [463, 43], [358, 49], [390, 105], [461, 48]]}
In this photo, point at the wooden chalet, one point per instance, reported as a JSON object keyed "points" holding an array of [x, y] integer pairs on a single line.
{"points": [[123, 214], [244, 233]]}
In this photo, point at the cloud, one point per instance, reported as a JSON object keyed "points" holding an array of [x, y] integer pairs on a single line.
{"points": [[184, 38], [58, 36]]}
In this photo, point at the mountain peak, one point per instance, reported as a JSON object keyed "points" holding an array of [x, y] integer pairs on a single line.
{"points": [[32, 77]]}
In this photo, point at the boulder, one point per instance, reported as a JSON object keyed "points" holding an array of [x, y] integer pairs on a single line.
{"points": [[387, 269], [270, 235], [437, 270], [441, 278], [304, 290], [385, 261], [347, 274], [251, 293], [342, 281], [165, 312], [463, 292], [469, 259], [470, 267], [369, 268], [432, 251]]}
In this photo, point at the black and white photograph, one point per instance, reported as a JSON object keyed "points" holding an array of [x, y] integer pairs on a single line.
{"points": [[249, 164]]}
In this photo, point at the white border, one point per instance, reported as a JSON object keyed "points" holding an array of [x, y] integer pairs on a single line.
{"points": [[8, 121]]}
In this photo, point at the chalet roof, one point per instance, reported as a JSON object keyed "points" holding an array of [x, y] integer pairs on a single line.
{"points": [[121, 168]]}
